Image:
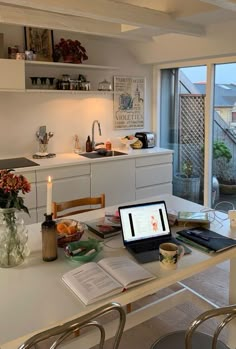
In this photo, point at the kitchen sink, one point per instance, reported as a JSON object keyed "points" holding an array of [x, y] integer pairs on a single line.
{"points": [[95, 155]]}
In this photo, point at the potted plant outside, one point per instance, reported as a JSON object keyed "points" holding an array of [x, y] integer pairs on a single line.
{"points": [[225, 175], [223, 168], [186, 183], [70, 51], [221, 157]]}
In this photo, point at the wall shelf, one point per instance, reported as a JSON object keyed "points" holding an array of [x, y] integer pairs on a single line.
{"points": [[71, 65], [95, 92]]}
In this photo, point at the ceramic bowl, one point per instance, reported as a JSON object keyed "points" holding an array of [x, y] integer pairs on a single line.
{"points": [[127, 141], [69, 230]]}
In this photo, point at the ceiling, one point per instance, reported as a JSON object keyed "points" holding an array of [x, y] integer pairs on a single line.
{"points": [[139, 20]]}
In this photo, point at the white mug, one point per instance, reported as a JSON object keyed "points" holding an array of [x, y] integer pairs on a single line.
{"points": [[170, 254]]}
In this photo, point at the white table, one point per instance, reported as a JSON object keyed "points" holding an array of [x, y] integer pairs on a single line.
{"points": [[33, 297]]}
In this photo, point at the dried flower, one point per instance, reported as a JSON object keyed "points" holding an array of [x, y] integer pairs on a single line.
{"points": [[10, 187], [69, 47]]}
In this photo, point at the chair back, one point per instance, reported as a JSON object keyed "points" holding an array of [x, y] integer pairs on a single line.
{"points": [[71, 328], [229, 314], [90, 202]]}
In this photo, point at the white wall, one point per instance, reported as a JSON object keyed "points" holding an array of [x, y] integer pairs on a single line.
{"points": [[21, 114]]}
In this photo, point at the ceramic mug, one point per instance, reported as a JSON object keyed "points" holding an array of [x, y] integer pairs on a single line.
{"points": [[170, 254]]}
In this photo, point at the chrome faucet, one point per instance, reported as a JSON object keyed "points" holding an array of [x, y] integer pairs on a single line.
{"points": [[100, 133]]}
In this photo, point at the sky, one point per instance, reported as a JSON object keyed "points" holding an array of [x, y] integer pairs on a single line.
{"points": [[224, 74]]}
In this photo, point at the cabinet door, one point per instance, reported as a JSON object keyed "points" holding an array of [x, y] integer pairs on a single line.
{"points": [[114, 178], [12, 74], [153, 176], [69, 183]]}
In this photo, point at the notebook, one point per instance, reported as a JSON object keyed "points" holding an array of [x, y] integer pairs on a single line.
{"points": [[144, 227], [211, 240]]}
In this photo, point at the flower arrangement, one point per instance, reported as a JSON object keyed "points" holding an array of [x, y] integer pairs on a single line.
{"points": [[10, 187], [69, 48]]}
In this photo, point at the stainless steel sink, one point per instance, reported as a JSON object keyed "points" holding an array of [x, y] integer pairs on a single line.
{"points": [[95, 155]]}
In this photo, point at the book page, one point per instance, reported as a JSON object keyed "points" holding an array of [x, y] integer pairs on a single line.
{"points": [[90, 282], [125, 270]]}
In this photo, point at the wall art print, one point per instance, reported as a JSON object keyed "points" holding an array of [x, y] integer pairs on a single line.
{"points": [[40, 41], [129, 102]]}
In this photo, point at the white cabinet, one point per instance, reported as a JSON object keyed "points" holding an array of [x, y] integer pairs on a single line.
{"points": [[115, 178], [69, 182], [153, 175], [12, 74]]}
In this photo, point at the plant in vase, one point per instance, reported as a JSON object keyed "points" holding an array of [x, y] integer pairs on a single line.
{"points": [[13, 234], [70, 51]]}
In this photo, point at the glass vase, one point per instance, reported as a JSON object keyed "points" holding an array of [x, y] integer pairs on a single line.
{"points": [[13, 238]]}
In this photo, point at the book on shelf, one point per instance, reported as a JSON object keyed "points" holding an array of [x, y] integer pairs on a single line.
{"points": [[104, 227], [94, 281], [205, 239]]}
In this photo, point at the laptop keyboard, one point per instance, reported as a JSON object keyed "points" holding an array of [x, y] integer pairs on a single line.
{"points": [[147, 247]]}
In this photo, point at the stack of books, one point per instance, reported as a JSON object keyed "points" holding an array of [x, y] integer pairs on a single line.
{"points": [[105, 227], [205, 240]]}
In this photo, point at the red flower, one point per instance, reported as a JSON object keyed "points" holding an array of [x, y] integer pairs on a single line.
{"points": [[69, 47], [10, 187]]}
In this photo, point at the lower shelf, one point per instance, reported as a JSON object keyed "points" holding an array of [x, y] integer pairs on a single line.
{"points": [[70, 91]]}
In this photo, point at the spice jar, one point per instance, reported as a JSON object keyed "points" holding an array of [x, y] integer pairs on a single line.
{"points": [[65, 82], [73, 84]]}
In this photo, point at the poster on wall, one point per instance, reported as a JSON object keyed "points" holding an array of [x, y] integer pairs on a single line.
{"points": [[128, 102]]}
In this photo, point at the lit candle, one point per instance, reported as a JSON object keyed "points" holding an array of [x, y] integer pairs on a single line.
{"points": [[49, 196]]}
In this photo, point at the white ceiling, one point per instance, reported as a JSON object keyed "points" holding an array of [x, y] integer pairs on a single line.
{"points": [[127, 19]]}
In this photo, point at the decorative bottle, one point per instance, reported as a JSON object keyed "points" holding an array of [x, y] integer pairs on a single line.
{"points": [[49, 239], [88, 145]]}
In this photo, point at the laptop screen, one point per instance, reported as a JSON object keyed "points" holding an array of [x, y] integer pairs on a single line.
{"points": [[144, 221]]}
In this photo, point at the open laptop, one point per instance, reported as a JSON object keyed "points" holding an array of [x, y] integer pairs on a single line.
{"points": [[144, 227]]}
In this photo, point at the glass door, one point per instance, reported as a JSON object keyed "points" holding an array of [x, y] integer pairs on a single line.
{"points": [[182, 127]]}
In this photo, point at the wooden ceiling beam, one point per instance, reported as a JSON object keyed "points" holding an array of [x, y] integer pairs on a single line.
{"points": [[41, 19], [113, 12]]}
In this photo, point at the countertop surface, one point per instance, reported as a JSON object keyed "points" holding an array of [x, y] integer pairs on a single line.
{"points": [[65, 159]]}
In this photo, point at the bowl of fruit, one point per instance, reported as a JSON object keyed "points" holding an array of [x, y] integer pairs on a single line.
{"points": [[128, 140], [69, 230]]}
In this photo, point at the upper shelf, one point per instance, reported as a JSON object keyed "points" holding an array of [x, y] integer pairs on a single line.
{"points": [[71, 65]]}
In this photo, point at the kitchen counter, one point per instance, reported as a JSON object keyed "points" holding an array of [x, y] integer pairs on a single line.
{"points": [[65, 159], [139, 174]]}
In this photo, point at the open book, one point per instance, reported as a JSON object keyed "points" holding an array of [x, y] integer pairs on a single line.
{"points": [[94, 281]]}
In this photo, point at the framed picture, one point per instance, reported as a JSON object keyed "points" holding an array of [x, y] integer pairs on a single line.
{"points": [[129, 102], [40, 41]]}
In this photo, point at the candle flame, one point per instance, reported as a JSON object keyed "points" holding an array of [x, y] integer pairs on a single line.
{"points": [[49, 179]]}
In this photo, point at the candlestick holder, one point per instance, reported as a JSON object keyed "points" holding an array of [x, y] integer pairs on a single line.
{"points": [[49, 239]]}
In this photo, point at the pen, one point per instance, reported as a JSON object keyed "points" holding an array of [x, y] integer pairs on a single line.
{"points": [[197, 235]]}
